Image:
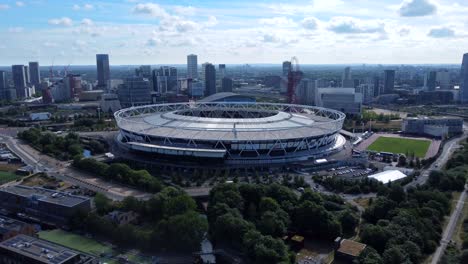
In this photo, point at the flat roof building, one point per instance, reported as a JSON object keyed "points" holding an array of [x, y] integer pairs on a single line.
{"points": [[436, 126], [11, 227], [345, 100], [388, 176], [23, 249], [46, 205]]}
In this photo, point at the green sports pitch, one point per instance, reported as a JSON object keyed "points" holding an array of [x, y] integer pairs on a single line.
{"points": [[401, 145]]}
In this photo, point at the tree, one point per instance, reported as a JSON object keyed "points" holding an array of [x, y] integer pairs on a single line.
{"points": [[369, 256], [375, 236], [264, 249], [184, 231], [348, 221], [230, 229], [179, 205], [393, 256], [103, 204], [274, 223]]}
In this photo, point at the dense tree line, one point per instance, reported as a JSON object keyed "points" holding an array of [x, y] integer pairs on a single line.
{"points": [[343, 185], [253, 218], [167, 221], [63, 148], [119, 172]]}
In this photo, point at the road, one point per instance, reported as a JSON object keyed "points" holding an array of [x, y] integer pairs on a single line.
{"points": [[449, 147], [450, 228], [63, 171]]}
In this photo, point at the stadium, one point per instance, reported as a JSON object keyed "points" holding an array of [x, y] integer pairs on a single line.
{"points": [[231, 133]]}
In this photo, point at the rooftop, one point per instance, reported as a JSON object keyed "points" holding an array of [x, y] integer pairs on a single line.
{"points": [[388, 176], [351, 248], [9, 224], [39, 250], [45, 195]]}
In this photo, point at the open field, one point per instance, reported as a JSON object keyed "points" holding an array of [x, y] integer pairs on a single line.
{"points": [[401, 145], [6, 176], [77, 242]]}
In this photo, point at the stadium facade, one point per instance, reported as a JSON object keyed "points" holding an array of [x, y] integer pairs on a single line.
{"points": [[231, 133]]}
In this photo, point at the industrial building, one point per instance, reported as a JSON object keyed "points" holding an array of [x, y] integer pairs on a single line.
{"points": [[433, 126], [23, 249], [345, 100], [230, 133], [45, 205]]}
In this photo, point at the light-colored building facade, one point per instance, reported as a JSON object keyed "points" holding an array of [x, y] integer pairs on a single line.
{"points": [[345, 100]]}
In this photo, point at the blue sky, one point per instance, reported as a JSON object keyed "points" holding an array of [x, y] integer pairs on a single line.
{"points": [[242, 31]]}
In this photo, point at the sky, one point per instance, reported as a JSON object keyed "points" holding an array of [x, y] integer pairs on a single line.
{"points": [[63, 32]]}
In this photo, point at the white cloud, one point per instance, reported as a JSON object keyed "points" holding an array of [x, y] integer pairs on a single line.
{"points": [[86, 7], [404, 31], [350, 25], [87, 22], [154, 41], [415, 8], [50, 44], [309, 23], [277, 22], [15, 29], [441, 32], [19, 3], [150, 9], [184, 10], [212, 21], [64, 21], [4, 6]]}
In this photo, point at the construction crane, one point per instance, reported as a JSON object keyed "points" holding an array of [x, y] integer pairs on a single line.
{"points": [[294, 78]]}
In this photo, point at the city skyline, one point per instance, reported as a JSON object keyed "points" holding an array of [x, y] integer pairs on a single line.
{"points": [[165, 32]]}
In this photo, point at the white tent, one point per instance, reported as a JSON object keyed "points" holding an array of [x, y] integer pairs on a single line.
{"points": [[388, 176]]}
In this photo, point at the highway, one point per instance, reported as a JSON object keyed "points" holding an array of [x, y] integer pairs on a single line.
{"points": [[63, 171], [449, 147], [450, 228]]}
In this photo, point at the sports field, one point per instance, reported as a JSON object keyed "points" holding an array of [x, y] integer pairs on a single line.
{"points": [[77, 242], [401, 145]]}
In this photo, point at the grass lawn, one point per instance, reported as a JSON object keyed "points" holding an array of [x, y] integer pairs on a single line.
{"points": [[401, 145], [6, 176], [77, 242]]}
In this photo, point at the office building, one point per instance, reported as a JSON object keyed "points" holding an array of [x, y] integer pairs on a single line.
{"points": [[26, 73], [286, 68], [464, 79], [19, 80], [23, 249], [3, 86], [192, 66], [367, 91], [376, 81], [389, 81], [433, 126], [345, 100], [210, 79], [165, 80], [103, 69], [347, 81], [305, 92], [197, 89], [222, 71], [134, 91], [443, 79], [430, 81], [48, 206], [322, 83], [143, 71], [10, 227], [34, 74], [226, 84]]}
